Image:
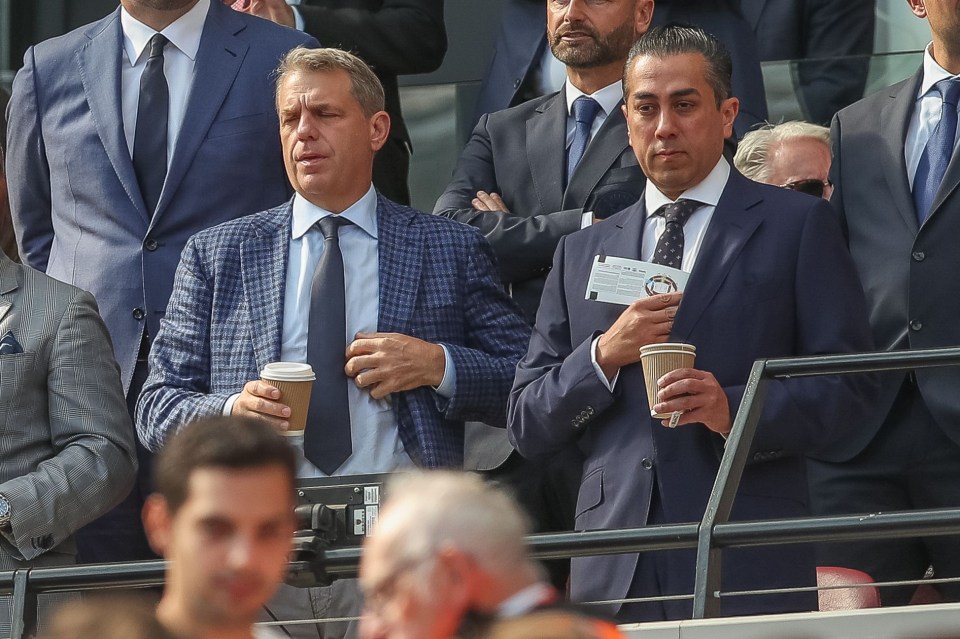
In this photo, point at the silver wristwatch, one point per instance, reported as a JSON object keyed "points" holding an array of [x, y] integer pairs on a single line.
{"points": [[5, 512]]}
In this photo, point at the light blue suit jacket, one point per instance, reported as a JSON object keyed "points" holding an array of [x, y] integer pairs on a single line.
{"points": [[75, 201], [438, 282]]}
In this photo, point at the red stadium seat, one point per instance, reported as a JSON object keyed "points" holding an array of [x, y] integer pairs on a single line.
{"points": [[846, 598]]}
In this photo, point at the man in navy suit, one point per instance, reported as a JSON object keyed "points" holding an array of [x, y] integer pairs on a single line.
{"points": [[770, 276], [107, 205], [896, 173], [430, 340]]}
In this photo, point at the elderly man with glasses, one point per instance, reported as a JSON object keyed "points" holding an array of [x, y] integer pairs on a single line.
{"points": [[793, 155]]}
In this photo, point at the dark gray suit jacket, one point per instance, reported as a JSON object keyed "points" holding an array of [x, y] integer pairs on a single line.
{"points": [[520, 153], [910, 272]]}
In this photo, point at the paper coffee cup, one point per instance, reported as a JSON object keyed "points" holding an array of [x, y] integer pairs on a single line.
{"points": [[295, 381], [660, 359]]}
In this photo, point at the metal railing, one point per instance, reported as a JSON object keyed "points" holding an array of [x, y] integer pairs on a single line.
{"points": [[713, 534]]}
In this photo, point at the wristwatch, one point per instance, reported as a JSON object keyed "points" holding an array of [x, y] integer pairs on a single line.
{"points": [[5, 512]]}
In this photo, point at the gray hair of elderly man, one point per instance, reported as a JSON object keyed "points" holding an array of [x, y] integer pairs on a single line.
{"points": [[754, 150], [429, 511]]}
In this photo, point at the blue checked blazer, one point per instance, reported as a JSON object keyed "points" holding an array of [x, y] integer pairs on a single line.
{"points": [[438, 282]]}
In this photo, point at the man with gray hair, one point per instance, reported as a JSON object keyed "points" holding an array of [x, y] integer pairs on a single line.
{"points": [[449, 548], [400, 314], [794, 155]]}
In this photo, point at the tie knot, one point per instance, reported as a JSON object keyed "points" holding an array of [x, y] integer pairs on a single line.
{"points": [[950, 90], [330, 226], [585, 109], [679, 211], [157, 43]]}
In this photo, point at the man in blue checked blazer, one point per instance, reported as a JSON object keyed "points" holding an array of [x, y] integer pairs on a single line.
{"points": [[433, 339], [428, 338]]}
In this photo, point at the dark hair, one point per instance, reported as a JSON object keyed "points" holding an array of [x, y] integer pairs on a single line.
{"points": [[219, 442], [678, 39]]}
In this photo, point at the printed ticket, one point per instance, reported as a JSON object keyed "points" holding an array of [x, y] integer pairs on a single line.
{"points": [[618, 280]]}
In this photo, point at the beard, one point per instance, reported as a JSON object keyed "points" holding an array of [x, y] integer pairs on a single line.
{"points": [[598, 52]]}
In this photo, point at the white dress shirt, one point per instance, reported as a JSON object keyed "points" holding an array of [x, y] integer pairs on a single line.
{"points": [[926, 113], [179, 58], [609, 98], [708, 191]]}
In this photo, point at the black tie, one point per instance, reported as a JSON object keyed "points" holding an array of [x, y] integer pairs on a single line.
{"points": [[150, 139], [326, 440], [669, 251]]}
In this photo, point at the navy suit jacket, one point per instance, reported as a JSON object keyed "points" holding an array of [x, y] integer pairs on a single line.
{"points": [[438, 283], [75, 201], [773, 278]]}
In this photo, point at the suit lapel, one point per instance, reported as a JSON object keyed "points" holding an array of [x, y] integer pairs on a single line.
{"points": [[8, 284], [604, 149], [218, 61], [626, 242], [100, 61], [546, 151], [734, 220], [894, 120], [401, 254], [263, 268]]}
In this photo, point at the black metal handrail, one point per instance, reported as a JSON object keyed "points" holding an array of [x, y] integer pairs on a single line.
{"points": [[714, 533]]}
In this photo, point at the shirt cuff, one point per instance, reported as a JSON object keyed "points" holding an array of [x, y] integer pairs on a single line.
{"points": [[228, 407], [610, 384], [448, 385], [586, 219]]}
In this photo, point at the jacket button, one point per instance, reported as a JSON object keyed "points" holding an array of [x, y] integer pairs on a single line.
{"points": [[151, 245], [916, 325], [516, 83], [138, 314], [646, 463], [918, 256]]}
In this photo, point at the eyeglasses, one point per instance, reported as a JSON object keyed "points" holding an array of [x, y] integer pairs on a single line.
{"points": [[810, 187]]}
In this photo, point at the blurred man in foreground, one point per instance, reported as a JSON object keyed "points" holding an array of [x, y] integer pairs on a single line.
{"points": [[448, 556], [223, 518]]}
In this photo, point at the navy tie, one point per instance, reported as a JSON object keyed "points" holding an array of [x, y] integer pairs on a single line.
{"points": [[150, 138], [326, 439], [584, 112], [669, 250], [936, 155]]}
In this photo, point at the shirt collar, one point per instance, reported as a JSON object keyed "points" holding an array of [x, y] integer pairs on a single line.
{"points": [[184, 32], [932, 72], [708, 191], [523, 601], [362, 213], [609, 97]]}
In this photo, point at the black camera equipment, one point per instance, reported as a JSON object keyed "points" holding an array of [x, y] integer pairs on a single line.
{"points": [[332, 512]]}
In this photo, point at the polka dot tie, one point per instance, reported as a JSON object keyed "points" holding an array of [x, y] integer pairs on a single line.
{"points": [[669, 251]]}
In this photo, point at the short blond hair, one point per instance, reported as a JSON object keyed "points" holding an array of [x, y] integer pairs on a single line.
{"points": [[364, 84], [753, 151]]}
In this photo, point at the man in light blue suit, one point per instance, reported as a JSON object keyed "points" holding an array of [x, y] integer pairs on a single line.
{"points": [[423, 335], [106, 186]]}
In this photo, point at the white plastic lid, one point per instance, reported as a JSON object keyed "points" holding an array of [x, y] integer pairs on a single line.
{"points": [[288, 372]]}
